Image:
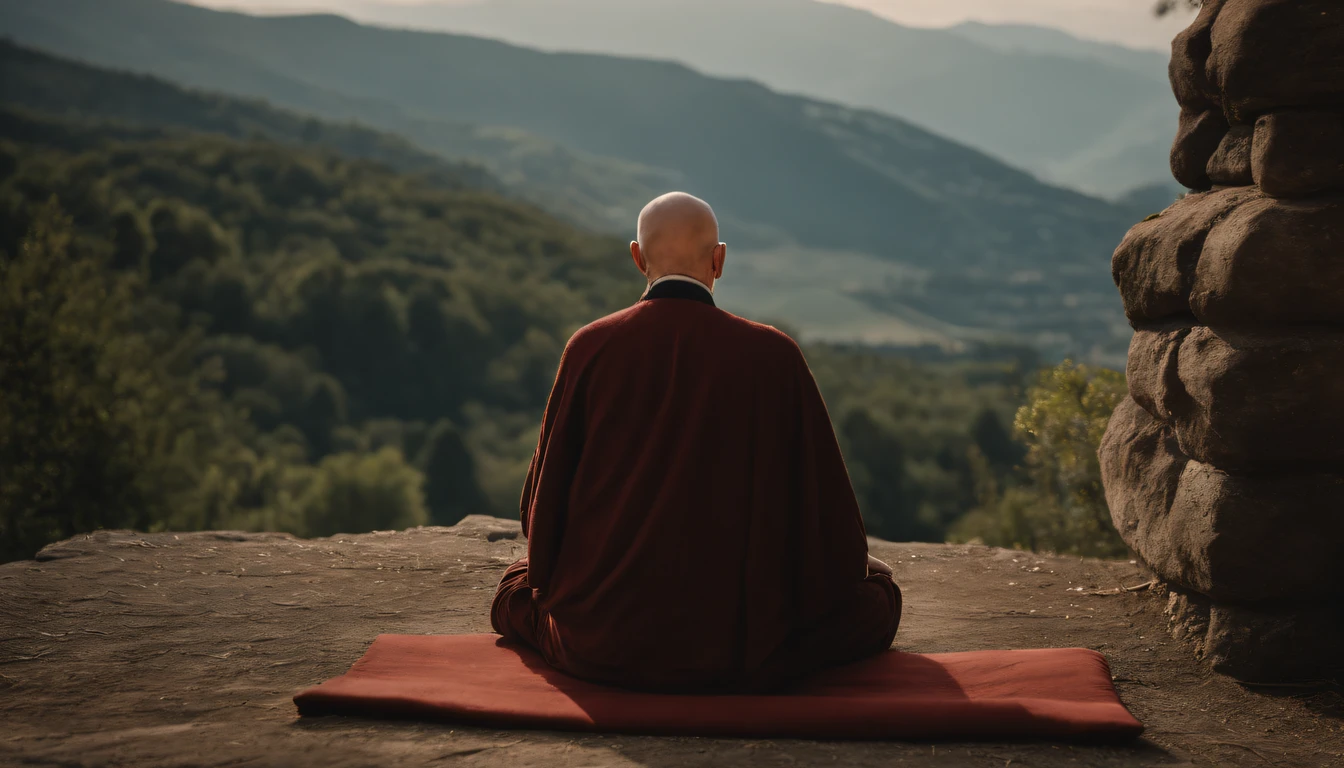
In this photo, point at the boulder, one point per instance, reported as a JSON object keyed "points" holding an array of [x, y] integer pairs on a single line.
{"points": [[1224, 468], [1198, 135], [1260, 401], [1141, 468], [1242, 539], [1299, 153], [1256, 539], [1292, 642], [1187, 69], [1154, 267], [1230, 165], [1273, 263], [1267, 55], [1151, 372]]}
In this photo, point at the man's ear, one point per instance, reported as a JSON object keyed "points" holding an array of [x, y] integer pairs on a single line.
{"points": [[638, 257], [720, 254]]}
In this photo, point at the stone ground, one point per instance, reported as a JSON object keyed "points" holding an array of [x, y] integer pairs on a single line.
{"points": [[119, 648]]}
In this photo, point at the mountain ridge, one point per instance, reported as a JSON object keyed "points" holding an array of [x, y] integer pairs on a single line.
{"points": [[1049, 107], [37, 81], [855, 179], [1150, 62], [856, 226]]}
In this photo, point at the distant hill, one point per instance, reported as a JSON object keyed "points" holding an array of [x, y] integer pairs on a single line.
{"points": [[587, 190], [822, 175], [847, 225], [358, 320], [61, 87], [1027, 38], [1092, 116]]}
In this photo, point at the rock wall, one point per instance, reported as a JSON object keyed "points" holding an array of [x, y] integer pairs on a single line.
{"points": [[1224, 470]]}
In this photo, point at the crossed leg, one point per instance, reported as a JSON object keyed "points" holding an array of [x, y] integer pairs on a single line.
{"points": [[861, 625]]}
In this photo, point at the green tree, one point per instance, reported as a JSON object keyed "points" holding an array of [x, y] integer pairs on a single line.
{"points": [[100, 425], [994, 442], [451, 487], [356, 493], [249, 489], [876, 462], [220, 292], [182, 233], [132, 242], [1059, 504], [322, 411]]}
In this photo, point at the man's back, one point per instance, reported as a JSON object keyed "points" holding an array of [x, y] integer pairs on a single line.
{"points": [[688, 412], [688, 513]]}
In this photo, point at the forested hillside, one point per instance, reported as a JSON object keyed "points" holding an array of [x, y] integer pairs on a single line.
{"points": [[821, 174], [908, 237], [342, 302], [247, 333], [584, 189], [56, 86]]}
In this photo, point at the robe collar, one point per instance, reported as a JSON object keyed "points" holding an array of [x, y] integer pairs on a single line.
{"points": [[684, 288]]}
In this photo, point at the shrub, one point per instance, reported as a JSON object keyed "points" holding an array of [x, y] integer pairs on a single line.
{"points": [[1057, 503], [356, 493]]}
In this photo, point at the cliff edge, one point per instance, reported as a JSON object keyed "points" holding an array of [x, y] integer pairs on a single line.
{"points": [[183, 649]]}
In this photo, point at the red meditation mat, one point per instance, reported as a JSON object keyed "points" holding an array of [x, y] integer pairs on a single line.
{"points": [[1061, 693]]}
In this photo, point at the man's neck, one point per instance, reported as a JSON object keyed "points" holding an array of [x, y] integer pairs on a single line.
{"points": [[685, 288], [686, 278]]}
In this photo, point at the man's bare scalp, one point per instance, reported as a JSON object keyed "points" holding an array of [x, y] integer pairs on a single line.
{"points": [[678, 234]]}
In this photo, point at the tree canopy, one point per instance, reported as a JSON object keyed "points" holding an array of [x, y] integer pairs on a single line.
{"points": [[199, 331]]}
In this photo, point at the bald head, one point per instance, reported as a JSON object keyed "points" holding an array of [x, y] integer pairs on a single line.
{"points": [[678, 235]]}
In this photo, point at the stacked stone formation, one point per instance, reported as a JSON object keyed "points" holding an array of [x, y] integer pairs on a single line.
{"points": [[1224, 469]]}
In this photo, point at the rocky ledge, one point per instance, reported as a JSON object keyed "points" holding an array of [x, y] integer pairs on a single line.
{"points": [[120, 648]]}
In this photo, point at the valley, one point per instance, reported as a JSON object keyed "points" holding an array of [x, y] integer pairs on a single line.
{"points": [[997, 253]]}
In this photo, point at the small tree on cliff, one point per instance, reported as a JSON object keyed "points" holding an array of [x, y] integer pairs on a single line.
{"points": [[1058, 503]]}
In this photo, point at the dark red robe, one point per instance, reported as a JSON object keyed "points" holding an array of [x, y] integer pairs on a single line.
{"points": [[690, 521]]}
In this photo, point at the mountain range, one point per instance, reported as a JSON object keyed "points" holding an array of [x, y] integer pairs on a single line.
{"points": [[824, 175], [856, 225], [1092, 116]]}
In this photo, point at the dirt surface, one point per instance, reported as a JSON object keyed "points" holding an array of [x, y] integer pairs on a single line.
{"points": [[120, 648]]}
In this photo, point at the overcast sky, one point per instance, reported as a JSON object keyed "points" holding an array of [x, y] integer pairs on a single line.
{"points": [[1123, 21], [1130, 22]]}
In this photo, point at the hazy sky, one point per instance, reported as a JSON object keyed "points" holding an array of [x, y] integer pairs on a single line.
{"points": [[1130, 22], [1123, 21]]}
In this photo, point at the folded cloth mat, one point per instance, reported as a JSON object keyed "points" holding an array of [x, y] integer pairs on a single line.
{"points": [[1063, 693]]}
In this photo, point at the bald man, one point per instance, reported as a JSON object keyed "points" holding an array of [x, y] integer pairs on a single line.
{"points": [[690, 523]]}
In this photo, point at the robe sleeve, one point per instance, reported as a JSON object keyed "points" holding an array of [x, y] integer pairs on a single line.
{"points": [[546, 491], [834, 543]]}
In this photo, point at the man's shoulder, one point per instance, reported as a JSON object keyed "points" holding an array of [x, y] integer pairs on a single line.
{"points": [[759, 338], [768, 337], [587, 340], [602, 327]]}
